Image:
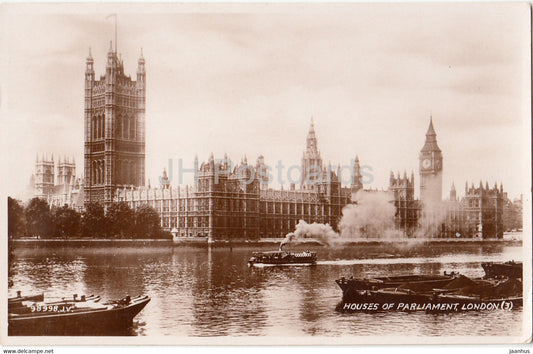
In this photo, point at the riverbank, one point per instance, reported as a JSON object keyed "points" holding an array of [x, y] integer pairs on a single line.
{"points": [[84, 242]]}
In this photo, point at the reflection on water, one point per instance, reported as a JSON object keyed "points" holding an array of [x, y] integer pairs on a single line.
{"points": [[201, 291]]}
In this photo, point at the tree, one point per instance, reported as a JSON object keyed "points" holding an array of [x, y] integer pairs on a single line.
{"points": [[15, 218], [38, 217], [147, 222], [120, 220], [93, 221], [66, 222]]}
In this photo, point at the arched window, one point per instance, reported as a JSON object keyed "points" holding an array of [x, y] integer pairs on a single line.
{"points": [[102, 127], [97, 172], [132, 128], [97, 127], [119, 172], [125, 171], [118, 128], [101, 172], [133, 174]]}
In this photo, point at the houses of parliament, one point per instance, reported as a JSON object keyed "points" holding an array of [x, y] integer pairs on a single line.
{"points": [[226, 205]]}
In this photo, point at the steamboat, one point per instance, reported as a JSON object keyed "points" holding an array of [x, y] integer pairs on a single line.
{"points": [[282, 258]]}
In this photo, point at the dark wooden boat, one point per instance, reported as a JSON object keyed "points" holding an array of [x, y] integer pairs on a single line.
{"points": [[281, 258], [449, 293], [412, 282], [405, 300], [75, 317], [509, 269]]}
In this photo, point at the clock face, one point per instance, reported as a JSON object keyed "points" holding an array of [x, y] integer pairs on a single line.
{"points": [[426, 163]]}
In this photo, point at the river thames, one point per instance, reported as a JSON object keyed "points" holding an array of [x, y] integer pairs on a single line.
{"points": [[200, 291]]}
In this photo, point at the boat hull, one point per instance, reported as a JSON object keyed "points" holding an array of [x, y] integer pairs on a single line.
{"points": [[413, 282], [402, 301], [282, 258], [91, 322], [300, 264], [507, 269]]}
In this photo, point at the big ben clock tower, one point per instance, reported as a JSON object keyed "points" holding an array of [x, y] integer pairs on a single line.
{"points": [[430, 169]]}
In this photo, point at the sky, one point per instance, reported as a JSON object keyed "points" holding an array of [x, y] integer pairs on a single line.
{"points": [[247, 80]]}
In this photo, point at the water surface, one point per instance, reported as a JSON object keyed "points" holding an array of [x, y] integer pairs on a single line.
{"points": [[211, 291]]}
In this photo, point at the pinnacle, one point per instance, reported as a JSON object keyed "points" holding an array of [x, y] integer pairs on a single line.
{"points": [[431, 130]]}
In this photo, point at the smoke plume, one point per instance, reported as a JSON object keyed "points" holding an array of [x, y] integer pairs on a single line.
{"points": [[321, 232], [431, 219], [371, 217]]}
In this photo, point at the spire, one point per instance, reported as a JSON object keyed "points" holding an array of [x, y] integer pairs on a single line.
{"points": [[356, 158], [453, 193], [90, 57], [110, 47], [431, 139], [312, 144], [140, 62], [431, 130], [311, 159]]}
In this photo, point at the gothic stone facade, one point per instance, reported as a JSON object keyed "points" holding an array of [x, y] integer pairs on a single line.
{"points": [[479, 214], [114, 129], [224, 204], [58, 186]]}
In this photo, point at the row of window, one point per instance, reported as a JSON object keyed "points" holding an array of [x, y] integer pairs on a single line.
{"points": [[125, 127], [220, 222]]}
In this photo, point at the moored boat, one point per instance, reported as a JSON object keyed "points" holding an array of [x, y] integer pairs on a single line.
{"points": [[74, 316], [404, 300], [412, 282], [19, 298], [433, 293], [509, 269]]}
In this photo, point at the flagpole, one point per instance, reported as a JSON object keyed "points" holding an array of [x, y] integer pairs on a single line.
{"points": [[116, 46], [115, 16]]}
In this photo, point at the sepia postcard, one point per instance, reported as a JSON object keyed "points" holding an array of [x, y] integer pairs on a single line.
{"points": [[265, 174]]}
